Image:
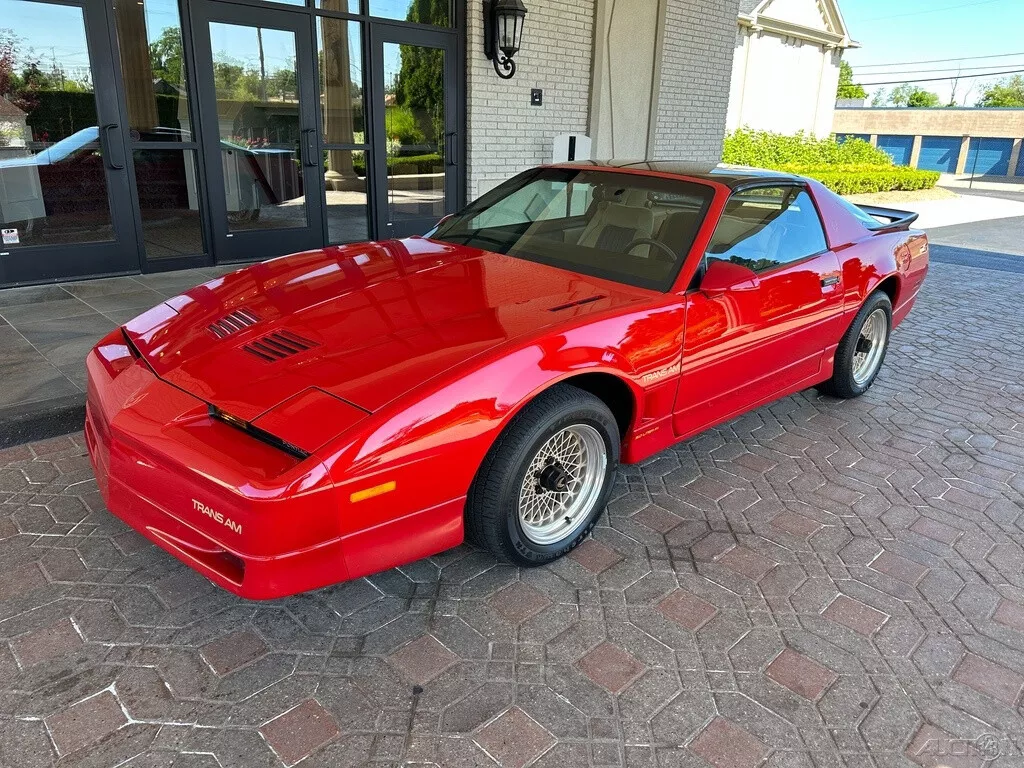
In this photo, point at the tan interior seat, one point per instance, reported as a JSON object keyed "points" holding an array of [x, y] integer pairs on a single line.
{"points": [[615, 225]]}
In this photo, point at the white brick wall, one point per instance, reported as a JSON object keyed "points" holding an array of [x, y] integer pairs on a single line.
{"points": [[696, 69], [506, 134]]}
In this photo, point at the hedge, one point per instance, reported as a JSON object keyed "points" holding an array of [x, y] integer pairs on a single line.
{"points": [[849, 168], [421, 163], [853, 180], [763, 149]]}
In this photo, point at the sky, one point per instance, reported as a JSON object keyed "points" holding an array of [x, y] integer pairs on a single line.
{"points": [[893, 32]]}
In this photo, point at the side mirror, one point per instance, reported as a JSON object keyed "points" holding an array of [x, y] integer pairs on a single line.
{"points": [[723, 276]]}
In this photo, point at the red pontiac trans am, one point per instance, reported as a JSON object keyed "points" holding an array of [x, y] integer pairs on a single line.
{"points": [[330, 414]]}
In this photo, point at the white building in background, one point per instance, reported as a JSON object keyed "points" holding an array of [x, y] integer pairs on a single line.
{"points": [[786, 65]]}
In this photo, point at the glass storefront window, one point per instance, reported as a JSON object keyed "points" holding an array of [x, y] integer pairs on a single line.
{"points": [[414, 129], [435, 12], [257, 90], [53, 185], [345, 181], [169, 202], [341, 80], [153, 69]]}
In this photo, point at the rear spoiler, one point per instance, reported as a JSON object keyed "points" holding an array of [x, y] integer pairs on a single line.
{"points": [[893, 220]]}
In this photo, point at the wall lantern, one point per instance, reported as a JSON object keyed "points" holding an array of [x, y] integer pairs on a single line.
{"points": [[503, 32]]}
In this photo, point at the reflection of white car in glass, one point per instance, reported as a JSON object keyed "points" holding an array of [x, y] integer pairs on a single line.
{"points": [[67, 179]]}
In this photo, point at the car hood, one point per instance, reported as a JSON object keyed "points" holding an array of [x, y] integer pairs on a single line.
{"points": [[364, 323]]}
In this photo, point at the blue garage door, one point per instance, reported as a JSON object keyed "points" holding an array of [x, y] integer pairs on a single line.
{"points": [[939, 153], [899, 148], [989, 157], [841, 137]]}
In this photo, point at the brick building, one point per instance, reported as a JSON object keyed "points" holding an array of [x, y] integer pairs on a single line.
{"points": [[165, 134], [983, 141]]}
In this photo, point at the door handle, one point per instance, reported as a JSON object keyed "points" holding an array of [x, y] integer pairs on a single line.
{"points": [[449, 149], [308, 139], [108, 153], [829, 280]]}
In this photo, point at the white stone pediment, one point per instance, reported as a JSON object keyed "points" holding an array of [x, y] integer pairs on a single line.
{"points": [[805, 13], [813, 19]]}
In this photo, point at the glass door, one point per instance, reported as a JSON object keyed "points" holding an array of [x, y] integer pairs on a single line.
{"points": [[65, 205], [415, 128], [263, 157]]}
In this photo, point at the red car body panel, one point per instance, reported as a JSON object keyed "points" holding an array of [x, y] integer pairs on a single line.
{"points": [[419, 353]]}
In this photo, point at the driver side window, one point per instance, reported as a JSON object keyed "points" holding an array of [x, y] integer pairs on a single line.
{"points": [[766, 227]]}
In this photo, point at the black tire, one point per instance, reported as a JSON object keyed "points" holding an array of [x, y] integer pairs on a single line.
{"points": [[843, 384], [492, 507]]}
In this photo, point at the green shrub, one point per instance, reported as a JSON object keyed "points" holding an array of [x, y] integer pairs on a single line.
{"points": [[422, 163], [763, 149], [859, 179], [849, 168], [400, 123]]}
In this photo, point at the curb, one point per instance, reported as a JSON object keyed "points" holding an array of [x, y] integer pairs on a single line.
{"points": [[38, 421]]}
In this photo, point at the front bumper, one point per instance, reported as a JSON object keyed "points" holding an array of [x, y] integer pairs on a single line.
{"points": [[248, 516]]}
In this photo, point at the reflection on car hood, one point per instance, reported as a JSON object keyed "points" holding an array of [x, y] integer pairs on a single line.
{"points": [[366, 322], [58, 151]]}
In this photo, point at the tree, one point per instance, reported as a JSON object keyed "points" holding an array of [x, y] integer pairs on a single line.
{"points": [[18, 88], [847, 88], [420, 82], [908, 95], [165, 56], [1005, 93]]}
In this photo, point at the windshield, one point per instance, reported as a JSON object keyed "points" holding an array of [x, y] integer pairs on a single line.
{"points": [[625, 227]]}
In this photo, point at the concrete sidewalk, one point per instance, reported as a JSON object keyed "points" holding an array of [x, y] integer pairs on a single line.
{"points": [[963, 209], [45, 333]]}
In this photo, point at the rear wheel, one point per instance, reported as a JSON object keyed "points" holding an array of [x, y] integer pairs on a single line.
{"points": [[546, 480], [862, 350]]}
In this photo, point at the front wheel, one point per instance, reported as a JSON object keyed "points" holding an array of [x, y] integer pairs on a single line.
{"points": [[546, 480], [862, 349]]}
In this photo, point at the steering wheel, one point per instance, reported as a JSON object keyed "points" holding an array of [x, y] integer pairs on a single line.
{"points": [[657, 244]]}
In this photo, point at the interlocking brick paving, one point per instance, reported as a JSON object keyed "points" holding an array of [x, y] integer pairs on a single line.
{"points": [[813, 585]]}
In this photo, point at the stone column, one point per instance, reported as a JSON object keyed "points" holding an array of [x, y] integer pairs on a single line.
{"points": [[965, 148], [1014, 157], [915, 152], [625, 76], [337, 104], [135, 66]]}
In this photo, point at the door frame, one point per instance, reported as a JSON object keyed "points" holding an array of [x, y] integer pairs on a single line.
{"points": [[452, 43], [121, 255], [250, 245]]}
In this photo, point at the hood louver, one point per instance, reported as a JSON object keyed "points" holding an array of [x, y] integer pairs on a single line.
{"points": [[577, 303], [234, 322], [278, 345]]}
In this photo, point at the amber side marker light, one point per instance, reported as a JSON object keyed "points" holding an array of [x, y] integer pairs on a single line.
{"points": [[369, 493]]}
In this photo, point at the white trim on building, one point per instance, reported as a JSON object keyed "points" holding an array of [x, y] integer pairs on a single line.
{"points": [[786, 67]]}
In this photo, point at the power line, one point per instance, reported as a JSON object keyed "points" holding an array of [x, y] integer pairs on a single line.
{"points": [[939, 61], [895, 72], [932, 10], [934, 79]]}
